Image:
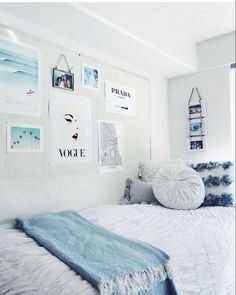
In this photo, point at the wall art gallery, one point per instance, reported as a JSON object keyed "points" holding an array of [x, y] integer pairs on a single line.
{"points": [[69, 119]]}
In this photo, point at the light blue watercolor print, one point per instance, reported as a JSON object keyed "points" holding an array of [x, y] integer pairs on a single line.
{"points": [[18, 71], [90, 77], [25, 138], [194, 127]]}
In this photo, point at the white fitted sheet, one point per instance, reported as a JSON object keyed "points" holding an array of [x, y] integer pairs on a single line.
{"points": [[199, 242]]}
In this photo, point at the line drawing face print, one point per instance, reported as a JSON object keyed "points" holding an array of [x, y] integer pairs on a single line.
{"points": [[72, 123]]}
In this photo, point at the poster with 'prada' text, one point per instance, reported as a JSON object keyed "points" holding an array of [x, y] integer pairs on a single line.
{"points": [[70, 137], [120, 99]]}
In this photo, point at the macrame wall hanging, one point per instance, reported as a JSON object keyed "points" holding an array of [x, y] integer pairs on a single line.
{"points": [[196, 125], [61, 78]]}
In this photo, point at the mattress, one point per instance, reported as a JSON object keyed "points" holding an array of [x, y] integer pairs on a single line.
{"points": [[200, 244]]}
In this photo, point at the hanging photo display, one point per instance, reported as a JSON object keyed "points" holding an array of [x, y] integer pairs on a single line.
{"points": [[70, 133], [120, 99], [196, 124], [19, 79], [24, 138], [60, 78], [111, 146], [90, 77]]}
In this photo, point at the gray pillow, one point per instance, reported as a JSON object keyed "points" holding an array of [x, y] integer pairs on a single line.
{"points": [[137, 191]]}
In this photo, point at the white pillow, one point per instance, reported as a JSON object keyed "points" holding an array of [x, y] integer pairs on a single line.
{"points": [[178, 187]]}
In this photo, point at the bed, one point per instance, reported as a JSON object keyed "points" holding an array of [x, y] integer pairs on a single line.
{"points": [[200, 244]]}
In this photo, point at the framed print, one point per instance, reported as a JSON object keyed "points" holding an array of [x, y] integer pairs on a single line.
{"points": [[196, 110], [196, 127], [196, 143], [62, 79], [19, 78], [70, 128], [111, 146], [90, 77], [24, 138], [120, 99]]}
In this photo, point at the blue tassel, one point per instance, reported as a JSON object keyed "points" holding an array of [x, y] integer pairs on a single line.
{"points": [[211, 181], [224, 200], [226, 165], [226, 180], [211, 165]]}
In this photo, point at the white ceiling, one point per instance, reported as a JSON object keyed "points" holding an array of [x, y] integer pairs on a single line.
{"points": [[151, 35], [196, 21]]}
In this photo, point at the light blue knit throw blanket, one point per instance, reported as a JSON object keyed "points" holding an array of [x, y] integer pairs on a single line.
{"points": [[111, 263]]}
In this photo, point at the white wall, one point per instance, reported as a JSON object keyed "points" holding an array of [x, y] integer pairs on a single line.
{"points": [[214, 87], [29, 185], [159, 119], [216, 52]]}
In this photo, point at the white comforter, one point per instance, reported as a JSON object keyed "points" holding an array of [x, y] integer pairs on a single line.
{"points": [[199, 242]]}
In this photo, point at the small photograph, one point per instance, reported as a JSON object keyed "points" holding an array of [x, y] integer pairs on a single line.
{"points": [[196, 127], [90, 77], [62, 79], [24, 138], [196, 110], [196, 144]]}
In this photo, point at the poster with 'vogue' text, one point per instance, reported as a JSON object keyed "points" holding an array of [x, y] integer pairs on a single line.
{"points": [[120, 99], [70, 134]]}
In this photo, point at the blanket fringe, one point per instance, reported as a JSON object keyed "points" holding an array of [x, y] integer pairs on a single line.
{"points": [[136, 283]]}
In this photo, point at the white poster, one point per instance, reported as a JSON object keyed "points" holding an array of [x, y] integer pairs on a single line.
{"points": [[70, 123], [111, 155], [120, 99], [19, 82]]}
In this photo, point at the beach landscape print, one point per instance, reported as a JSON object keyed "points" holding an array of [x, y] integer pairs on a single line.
{"points": [[24, 138], [18, 79]]}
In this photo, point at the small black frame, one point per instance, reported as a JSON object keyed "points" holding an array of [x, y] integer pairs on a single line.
{"points": [[62, 79]]}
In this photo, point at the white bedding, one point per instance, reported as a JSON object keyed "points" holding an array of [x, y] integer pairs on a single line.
{"points": [[199, 242]]}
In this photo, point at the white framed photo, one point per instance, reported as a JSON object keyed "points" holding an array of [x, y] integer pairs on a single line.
{"points": [[90, 77], [196, 110], [196, 127], [196, 143], [24, 138]]}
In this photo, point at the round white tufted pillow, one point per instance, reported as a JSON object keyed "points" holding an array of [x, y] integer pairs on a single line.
{"points": [[178, 187]]}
